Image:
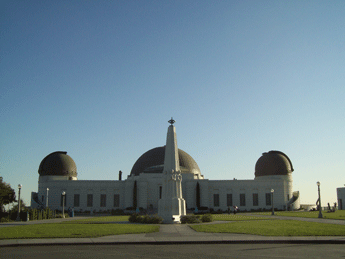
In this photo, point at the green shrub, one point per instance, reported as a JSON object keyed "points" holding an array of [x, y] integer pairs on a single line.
{"points": [[59, 216], [34, 214], [5, 220], [40, 216], [156, 219], [190, 219], [49, 214], [145, 219], [134, 218], [207, 218], [151, 219]]}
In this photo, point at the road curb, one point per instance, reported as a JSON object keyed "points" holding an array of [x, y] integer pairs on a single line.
{"points": [[183, 242]]}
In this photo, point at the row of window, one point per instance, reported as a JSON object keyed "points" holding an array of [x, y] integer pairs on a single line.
{"points": [[242, 199], [116, 200], [89, 200]]}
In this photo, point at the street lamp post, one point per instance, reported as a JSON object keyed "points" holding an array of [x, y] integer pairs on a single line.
{"points": [[47, 198], [63, 204], [272, 191], [318, 189], [18, 215]]}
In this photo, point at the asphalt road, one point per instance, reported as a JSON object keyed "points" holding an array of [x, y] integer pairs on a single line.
{"points": [[200, 251]]}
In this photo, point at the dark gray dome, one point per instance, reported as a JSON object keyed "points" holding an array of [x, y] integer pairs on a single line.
{"points": [[59, 164], [153, 162], [273, 163]]}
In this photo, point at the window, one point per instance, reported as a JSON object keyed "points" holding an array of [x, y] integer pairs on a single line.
{"points": [[76, 200], [62, 198], [255, 199], [116, 200], [42, 198], [89, 200], [229, 199], [268, 199], [242, 199], [216, 200], [160, 192], [288, 197], [103, 200]]}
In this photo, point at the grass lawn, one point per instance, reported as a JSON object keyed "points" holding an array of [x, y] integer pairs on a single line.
{"points": [[339, 214], [95, 220], [274, 228], [60, 230], [89, 227], [237, 217]]}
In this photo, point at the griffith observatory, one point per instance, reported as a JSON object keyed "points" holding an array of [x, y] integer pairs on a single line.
{"points": [[145, 188]]}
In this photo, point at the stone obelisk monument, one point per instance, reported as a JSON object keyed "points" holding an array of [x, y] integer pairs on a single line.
{"points": [[171, 206]]}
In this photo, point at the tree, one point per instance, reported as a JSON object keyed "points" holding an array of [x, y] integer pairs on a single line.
{"points": [[22, 206], [197, 195], [7, 194], [135, 192]]}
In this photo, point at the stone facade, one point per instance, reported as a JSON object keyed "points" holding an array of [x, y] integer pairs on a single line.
{"points": [[149, 193], [272, 171]]}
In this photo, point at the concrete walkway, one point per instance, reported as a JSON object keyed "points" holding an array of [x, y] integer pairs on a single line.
{"points": [[176, 234]]}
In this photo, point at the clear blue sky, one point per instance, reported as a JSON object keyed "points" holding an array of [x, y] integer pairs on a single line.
{"points": [[100, 80]]}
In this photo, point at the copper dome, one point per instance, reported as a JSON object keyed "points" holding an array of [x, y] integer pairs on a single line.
{"points": [[58, 164], [273, 163], [153, 162]]}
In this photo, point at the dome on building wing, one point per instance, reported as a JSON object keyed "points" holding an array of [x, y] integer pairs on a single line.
{"points": [[273, 163], [58, 164], [153, 162]]}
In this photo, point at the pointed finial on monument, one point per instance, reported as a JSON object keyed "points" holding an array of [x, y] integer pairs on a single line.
{"points": [[171, 121]]}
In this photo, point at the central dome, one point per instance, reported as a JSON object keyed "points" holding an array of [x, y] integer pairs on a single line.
{"points": [[153, 162]]}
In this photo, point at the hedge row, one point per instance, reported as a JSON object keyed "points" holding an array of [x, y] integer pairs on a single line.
{"points": [[190, 219], [137, 218], [34, 214]]}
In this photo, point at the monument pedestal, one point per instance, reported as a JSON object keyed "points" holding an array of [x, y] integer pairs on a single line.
{"points": [[171, 210]]}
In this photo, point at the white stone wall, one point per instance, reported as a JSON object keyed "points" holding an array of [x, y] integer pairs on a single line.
{"points": [[148, 192], [96, 188], [153, 190], [248, 188], [341, 198]]}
